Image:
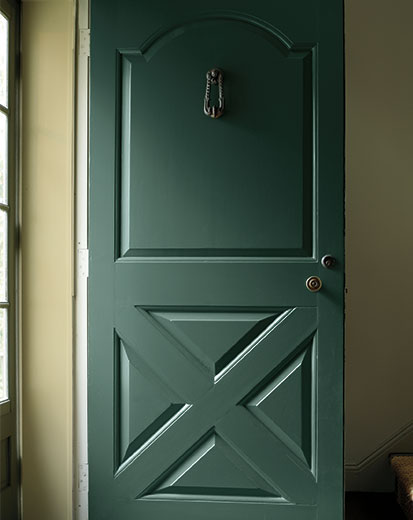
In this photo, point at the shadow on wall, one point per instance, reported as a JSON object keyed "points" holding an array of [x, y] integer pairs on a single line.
{"points": [[379, 220]]}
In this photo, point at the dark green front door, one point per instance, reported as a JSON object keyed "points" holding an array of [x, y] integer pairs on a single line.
{"points": [[215, 374]]}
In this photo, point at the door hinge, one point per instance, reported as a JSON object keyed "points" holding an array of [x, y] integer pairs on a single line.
{"points": [[83, 262], [84, 42], [83, 477]]}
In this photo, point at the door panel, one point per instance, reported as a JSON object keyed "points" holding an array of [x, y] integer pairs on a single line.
{"points": [[215, 386], [174, 193]]}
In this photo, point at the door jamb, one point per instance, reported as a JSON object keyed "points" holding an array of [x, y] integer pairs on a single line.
{"points": [[80, 437]]}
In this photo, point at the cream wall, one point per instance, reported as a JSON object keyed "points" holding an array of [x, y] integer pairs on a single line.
{"points": [[47, 160], [379, 169], [379, 216]]}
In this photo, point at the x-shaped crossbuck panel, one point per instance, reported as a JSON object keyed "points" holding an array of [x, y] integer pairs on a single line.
{"points": [[197, 417]]}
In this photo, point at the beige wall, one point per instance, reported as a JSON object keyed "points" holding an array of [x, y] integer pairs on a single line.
{"points": [[379, 342], [379, 214], [47, 71]]}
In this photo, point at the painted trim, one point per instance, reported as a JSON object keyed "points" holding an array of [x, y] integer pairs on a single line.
{"points": [[80, 424], [384, 448]]}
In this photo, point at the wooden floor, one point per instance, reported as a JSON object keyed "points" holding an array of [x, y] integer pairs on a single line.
{"points": [[372, 506]]}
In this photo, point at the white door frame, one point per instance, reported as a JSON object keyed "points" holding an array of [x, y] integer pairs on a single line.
{"points": [[80, 447]]}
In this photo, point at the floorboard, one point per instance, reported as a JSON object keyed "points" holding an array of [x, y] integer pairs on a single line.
{"points": [[372, 506]]}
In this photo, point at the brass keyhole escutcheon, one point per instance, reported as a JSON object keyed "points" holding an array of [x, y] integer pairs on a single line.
{"points": [[313, 283]]}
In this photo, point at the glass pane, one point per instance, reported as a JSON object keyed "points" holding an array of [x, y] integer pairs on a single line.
{"points": [[3, 256], [4, 384], [3, 157], [4, 60]]}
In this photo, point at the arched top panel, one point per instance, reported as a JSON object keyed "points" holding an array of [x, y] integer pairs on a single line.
{"points": [[269, 87], [280, 40]]}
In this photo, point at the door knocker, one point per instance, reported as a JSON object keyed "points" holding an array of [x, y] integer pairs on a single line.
{"points": [[214, 77]]}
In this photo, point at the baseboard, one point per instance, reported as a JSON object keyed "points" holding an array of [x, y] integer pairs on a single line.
{"points": [[373, 473]]}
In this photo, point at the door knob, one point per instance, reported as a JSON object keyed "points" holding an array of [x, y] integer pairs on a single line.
{"points": [[313, 283]]}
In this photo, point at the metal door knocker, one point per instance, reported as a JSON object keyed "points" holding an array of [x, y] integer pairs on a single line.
{"points": [[214, 77]]}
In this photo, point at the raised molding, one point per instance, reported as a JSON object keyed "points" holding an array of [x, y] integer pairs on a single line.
{"points": [[157, 40]]}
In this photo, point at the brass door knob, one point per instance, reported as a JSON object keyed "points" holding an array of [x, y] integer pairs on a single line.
{"points": [[313, 283]]}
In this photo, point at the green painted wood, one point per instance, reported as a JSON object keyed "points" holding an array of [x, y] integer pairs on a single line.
{"points": [[215, 376], [272, 405], [215, 338]]}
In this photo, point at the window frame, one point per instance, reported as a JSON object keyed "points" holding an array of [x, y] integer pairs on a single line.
{"points": [[9, 408]]}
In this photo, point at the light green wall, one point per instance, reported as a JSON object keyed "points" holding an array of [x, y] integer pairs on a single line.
{"points": [[47, 214]]}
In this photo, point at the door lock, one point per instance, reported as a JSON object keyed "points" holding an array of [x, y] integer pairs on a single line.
{"points": [[328, 261], [313, 284]]}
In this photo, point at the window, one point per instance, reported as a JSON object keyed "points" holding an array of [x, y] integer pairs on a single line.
{"points": [[8, 170], [4, 208]]}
